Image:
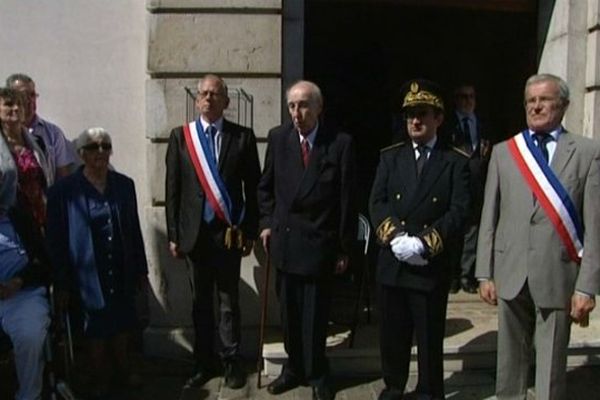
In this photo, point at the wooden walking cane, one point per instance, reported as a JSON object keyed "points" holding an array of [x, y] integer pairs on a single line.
{"points": [[263, 321]]}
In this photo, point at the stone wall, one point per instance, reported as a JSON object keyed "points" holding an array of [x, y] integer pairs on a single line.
{"points": [[571, 50]]}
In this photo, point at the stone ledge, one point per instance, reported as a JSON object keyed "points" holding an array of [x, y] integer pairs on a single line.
{"points": [[231, 43], [154, 5]]}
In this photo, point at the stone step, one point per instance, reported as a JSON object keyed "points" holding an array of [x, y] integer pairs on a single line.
{"points": [[470, 343]]}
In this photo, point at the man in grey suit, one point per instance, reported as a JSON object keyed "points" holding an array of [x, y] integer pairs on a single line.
{"points": [[541, 278]]}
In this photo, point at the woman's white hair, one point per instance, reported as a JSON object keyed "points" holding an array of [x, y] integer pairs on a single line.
{"points": [[90, 135]]}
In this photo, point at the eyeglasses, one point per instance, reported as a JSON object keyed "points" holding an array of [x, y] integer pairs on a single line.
{"points": [[205, 93], [97, 146]]}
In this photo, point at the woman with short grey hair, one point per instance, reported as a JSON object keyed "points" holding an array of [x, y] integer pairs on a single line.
{"points": [[95, 241]]}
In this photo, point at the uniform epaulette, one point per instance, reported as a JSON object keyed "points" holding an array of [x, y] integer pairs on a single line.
{"points": [[393, 146], [461, 151]]}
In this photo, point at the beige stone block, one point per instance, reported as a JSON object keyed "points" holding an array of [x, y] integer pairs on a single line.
{"points": [[592, 73], [167, 102], [158, 4], [591, 119], [593, 12], [233, 43], [155, 156]]}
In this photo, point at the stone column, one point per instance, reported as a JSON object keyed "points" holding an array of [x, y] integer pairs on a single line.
{"points": [[591, 120], [240, 40], [564, 54]]}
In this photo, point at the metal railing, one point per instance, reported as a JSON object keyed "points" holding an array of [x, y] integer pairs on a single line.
{"points": [[240, 110]]}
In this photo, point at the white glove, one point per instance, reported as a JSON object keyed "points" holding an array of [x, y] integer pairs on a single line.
{"points": [[408, 249], [400, 247]]}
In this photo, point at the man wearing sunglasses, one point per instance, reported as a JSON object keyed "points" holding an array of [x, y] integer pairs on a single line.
{"points": [[418, 205]]}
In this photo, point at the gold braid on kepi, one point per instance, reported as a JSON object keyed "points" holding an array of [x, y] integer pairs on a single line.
{"points": [[421, 92], [386, 230], [434, 242]]}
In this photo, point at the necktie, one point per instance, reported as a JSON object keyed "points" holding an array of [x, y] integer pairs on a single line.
{"points": [[467, 132], [422, 159], [541, 140], [305, 151], [211, 131], [208, 214]]}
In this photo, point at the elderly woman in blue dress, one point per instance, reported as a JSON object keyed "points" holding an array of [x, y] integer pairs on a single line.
{"points": [[96, 244]]}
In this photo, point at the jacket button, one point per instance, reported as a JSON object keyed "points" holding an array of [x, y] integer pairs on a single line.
{"points": [[287, 229], [425, 226], [398, 196], [402, 223], [434, 199]]}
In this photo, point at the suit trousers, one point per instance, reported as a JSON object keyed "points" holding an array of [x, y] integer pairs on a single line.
{"points": [[305, 303], [521, 325], [406, 311], [214, 268]]}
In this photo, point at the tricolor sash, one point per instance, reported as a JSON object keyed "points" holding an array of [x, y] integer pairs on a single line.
{"points": [[205, 166], [549, 191]]}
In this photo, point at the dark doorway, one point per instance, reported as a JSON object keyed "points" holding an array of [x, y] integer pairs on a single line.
{"points": [[360, 52]]}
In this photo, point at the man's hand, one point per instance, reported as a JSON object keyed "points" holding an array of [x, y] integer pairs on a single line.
{"points": [[247, 247], [265, 236], [174, 250], [581, 306], [341, 265], [10, 288], [487, 292]]}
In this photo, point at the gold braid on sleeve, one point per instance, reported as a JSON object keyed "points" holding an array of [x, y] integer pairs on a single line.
{"points": [[386, 230], [434, 242]]}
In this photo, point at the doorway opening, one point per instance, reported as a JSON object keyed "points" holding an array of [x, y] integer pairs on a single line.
{"points": [[360, 52]]}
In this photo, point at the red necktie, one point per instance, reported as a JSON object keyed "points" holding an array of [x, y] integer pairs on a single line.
{"points": [[305, 151]]}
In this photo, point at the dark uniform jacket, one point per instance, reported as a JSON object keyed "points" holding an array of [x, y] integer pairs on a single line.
{"points": [[310, 212], [433, 208], [240, 170], [479, 159]]}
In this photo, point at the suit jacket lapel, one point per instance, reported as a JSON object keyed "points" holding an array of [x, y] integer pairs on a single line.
{"points": [[294, 161], [226, 137], [432, 170], [562, 155], [315, 163]]}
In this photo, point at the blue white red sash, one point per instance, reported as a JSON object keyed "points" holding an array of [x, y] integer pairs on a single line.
{"points": [[548, 190], [205, 165]]}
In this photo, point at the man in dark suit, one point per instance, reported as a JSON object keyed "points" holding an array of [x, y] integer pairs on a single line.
{"points": [[212, 219], [466, 132], [308, 227], [418, 204]]}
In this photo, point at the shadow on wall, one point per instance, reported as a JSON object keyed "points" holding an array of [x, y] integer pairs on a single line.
{"points": [[170, 330]]}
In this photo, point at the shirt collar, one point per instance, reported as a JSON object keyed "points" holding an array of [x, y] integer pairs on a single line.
{"points": [[430, 145], [555, 133], [311, 136], [461, 115], [217, 124]]}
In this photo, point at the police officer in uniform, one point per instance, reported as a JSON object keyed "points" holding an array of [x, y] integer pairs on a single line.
{"points": [[418, 205]]}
